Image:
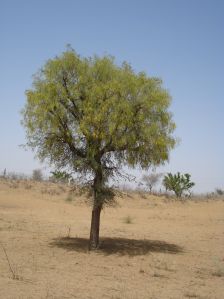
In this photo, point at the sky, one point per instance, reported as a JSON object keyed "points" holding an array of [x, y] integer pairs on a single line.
{"points": [[180, 41]]}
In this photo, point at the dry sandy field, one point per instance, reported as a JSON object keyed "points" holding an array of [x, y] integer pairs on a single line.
{"points": [[151, 247]]}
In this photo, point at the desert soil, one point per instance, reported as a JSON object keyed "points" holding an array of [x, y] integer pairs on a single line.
{"points": [[151, 248]]}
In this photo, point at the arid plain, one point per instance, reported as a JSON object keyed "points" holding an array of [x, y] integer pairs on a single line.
{"points": [[151, 247]]}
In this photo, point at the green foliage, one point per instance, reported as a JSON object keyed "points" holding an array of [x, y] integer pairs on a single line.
{"points": [[91, 116], [60, 176], [178, 183]]}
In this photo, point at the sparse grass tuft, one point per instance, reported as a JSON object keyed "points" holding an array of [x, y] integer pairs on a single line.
{"points": [[69, 198], [218, 273], [50, 191], [159, 275], [128, 220], [13, 185], [191, 295], [69, 233], [219, 268], [27, 186]]}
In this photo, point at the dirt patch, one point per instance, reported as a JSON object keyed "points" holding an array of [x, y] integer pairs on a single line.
{"points": [[168, 249]]}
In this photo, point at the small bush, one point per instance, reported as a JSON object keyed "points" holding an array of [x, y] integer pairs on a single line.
{"points": [[178, 183], [219, 191]]}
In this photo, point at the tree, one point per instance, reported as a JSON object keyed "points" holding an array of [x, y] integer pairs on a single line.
{"points": [[92, 117], [151, 180], [178, 183], [37, 175], [219, 191]]}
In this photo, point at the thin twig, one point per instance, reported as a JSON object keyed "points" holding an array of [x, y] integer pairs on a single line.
{"points": [[14, 276]]}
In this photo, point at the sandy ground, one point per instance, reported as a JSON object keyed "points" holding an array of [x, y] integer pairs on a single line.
{"points": [[168, 250]]}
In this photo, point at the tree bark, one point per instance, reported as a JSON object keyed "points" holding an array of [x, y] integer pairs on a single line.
{"points": [[95, 228], [97, 207]]}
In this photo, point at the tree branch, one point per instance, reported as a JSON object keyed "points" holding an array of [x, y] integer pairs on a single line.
{"points": [[74, 112], [67, 137]]}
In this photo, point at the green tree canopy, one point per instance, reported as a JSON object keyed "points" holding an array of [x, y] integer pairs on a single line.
{"points": [[92, 117], [178, 183]]}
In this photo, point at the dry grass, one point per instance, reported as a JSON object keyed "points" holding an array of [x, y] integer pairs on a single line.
{"points": [[171, 250], [128, 220]]}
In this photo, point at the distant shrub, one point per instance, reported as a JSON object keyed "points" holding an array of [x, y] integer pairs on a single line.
{"points": [[151, 180], [16, 176], [178, 183], [219, 191], [37, 175]]}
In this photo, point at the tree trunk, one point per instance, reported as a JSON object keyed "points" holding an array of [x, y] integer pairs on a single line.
{"points": [[95, 228], [97, 207]]}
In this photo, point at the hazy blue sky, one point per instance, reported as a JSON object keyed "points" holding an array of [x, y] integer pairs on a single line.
{"points": [[180, 41]]}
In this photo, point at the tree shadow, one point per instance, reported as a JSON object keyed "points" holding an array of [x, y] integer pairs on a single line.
{"points": [[121, 246]]}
